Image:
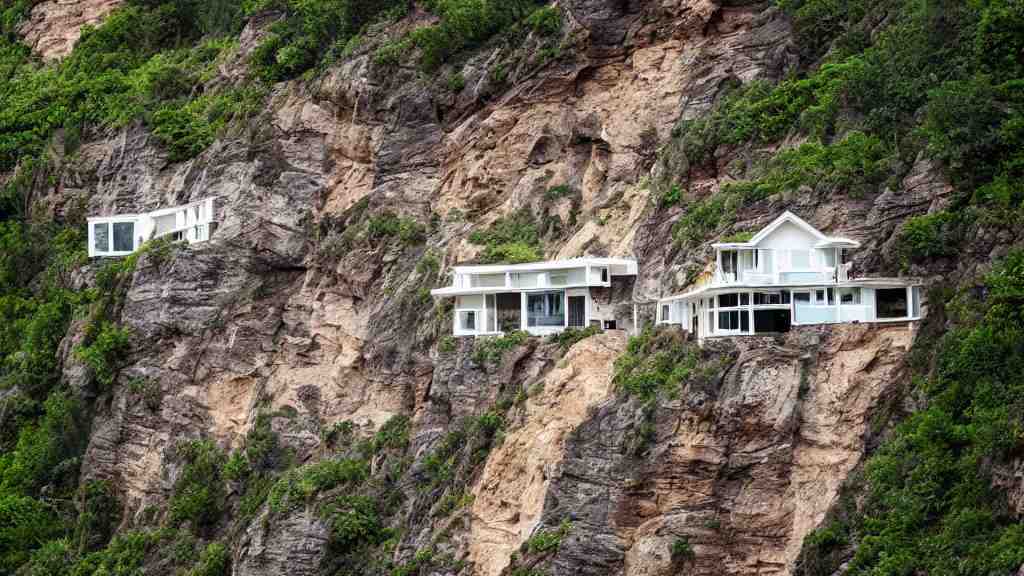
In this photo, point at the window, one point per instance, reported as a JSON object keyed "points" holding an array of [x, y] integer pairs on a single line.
{"points": [[728, 300], [849, 296], [467, 320], [729, 261], [604, 275], [101, 237], [124, 233], [819, 296], [545, 309], [559, 278], [733, 320], [744, 299], [802, 297], [831, 296], [771, 298], [492, 313], [664, 313], [891, 303]]}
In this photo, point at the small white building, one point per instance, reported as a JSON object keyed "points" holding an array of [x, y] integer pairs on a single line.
{"points": [[788, 274], [542, 297], [123, 234]]}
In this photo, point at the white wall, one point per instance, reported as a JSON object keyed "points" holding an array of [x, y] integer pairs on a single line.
{"points": [[788, 236]]}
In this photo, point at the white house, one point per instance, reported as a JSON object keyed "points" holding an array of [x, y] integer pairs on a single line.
{"points": [[123, 234], [788, 274], [542, 297]]}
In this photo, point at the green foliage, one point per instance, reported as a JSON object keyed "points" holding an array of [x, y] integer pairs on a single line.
{"points": [[930, 236], [136, 64], [215, 560], [558, 192], [464, 25], [456, 82], [387, 225], [545, 541], [446, 345], [393, 435], [491, 350], [354, 523], [312, 30], [302, 484], [98, 517], [546, 20], [658, 361], [199, 490], [512, 239], [24, 521], [738, 237], [570, 336], [682, 551], [105, 353]]}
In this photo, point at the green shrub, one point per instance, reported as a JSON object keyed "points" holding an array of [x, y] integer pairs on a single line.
{"points": [[511, 239], [491, 350], [310, 29], [446, 345], [215, 560], [456, 82], [546, 20], [682, 551], [545, 541], [302, 484], [106, 352], [199, 490], [569, 337], [393, 435], [388, 225], [929, 236], [658, 361], [354, 523]]}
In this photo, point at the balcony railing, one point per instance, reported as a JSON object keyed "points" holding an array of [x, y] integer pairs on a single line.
{"points": [[755, 278]]}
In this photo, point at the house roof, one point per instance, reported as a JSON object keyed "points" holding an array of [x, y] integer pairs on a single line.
{"points": [[823, 241], [618, 266], [152, 213]]}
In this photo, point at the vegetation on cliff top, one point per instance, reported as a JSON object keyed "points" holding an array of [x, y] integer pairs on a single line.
{"points": [[941, 77]]}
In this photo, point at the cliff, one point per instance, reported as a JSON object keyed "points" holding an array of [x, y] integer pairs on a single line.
{"points": [[287, 399]]}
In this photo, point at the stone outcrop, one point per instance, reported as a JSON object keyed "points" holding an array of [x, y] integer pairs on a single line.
{"points": [[743, 470], [54, 26]]}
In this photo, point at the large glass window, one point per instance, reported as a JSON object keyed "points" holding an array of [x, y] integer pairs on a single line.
{"points": [[546, 309], [728, 300], [733, 320], [101, 237], [124, 233], [849, 295], [891, 303]]}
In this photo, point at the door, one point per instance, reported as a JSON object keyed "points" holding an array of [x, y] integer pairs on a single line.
{"points": [[577, 311]]}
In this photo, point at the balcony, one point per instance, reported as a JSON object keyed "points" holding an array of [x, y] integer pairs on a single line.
{"points": [[782, 277]]}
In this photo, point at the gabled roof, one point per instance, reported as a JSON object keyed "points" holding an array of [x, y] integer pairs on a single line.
{"points": [[823, 241]]}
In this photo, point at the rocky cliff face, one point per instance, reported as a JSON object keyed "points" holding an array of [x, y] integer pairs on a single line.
{"points": [[291, 309], [54, 26]]}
